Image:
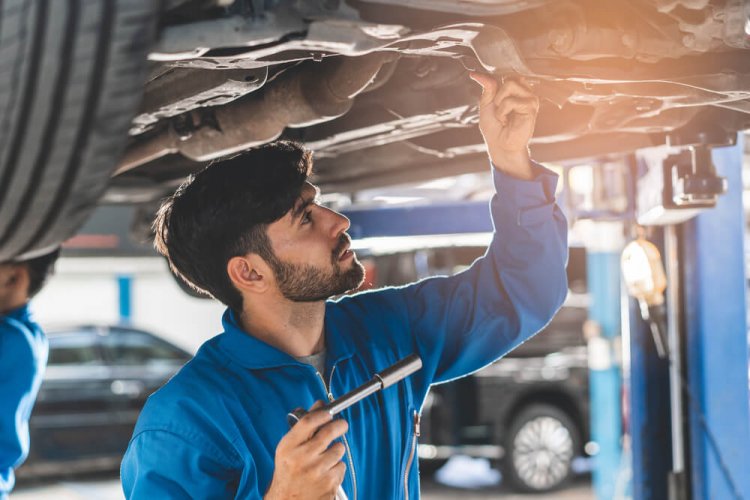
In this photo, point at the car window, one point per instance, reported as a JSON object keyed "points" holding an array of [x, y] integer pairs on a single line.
{"points": [[131, 347], [77, 348]]}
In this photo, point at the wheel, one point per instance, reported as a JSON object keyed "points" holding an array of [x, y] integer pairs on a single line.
{"points": [[541, 443], [71, 77]]}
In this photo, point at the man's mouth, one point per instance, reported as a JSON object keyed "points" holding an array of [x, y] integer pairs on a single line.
{"points": [[342, 250], [346, 255]]}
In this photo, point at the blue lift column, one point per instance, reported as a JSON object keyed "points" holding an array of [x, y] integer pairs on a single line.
{"points": [[125, 297], [603, 276], [649, 415], [717, 342]]}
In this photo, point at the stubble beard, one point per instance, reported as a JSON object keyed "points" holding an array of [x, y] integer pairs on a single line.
{"points": [[307, 283]]}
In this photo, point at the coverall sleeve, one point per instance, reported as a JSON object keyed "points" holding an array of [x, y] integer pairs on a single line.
{"points": [[461, 323], [18, 385], [164, 464]]}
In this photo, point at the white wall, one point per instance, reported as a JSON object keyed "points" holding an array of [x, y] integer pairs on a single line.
{"points": [[85, 290]]}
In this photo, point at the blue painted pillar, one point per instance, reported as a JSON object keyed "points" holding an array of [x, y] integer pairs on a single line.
{"points": [[717, 342], [649, 422], [603, 275], [125, 291]]}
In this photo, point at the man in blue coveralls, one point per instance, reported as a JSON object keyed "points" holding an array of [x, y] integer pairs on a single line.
{"points": [[23, 357], [250, 232]]}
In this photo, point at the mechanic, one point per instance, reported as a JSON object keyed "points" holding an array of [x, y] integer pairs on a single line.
{"points": [[23, 357], [249, 232]]}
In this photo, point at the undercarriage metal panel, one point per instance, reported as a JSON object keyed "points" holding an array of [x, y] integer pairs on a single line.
{"points": [[612, 77]]}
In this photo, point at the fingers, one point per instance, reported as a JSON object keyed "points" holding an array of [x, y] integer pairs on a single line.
{"points": [[332, 456], [499, 103], [337, 475], [308, 463], [494, 92], [325, 436], [307, 427], [489, 87], [516, 106], [513, 88]]}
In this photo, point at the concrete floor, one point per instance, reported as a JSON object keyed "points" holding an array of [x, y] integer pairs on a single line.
{"points": [[578, 490], [107, 487]]}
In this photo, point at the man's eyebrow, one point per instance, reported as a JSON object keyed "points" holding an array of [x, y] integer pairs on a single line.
{"points": [[304, 202]]}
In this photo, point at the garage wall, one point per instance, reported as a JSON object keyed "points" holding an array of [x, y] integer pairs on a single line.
{"points": [[85, 291]]}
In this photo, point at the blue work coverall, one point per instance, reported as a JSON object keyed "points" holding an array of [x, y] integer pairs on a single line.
{"points": [[212, 431], [23, 357]]}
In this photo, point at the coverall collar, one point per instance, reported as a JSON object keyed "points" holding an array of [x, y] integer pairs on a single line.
{"points": [[22, 313], [254, 353]]}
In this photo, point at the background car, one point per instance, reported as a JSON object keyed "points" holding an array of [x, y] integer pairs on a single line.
{"points": [[528, 415], [529, 411], [97, 381]]}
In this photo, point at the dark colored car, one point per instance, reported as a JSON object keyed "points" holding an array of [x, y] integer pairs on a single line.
{"points": [[97, 381], [529, 411]]}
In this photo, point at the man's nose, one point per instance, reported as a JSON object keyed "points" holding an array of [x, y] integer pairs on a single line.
{"points": [[340, 223]]}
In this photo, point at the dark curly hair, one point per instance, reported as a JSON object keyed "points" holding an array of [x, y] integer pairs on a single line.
{"points": [[40, 269], [224, 210]]}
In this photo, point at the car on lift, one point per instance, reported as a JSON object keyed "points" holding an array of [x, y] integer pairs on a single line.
{"points": [[119, 100], [96, 383]]}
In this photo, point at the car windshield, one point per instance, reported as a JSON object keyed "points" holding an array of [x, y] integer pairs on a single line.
{"points": [[132, 347], [74, 349]]}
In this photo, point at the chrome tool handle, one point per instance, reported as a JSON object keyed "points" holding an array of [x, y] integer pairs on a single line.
{"points": [[386, 378], [398, 371]]}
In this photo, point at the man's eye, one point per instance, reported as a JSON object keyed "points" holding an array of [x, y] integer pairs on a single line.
{"points": [[306, 217]]}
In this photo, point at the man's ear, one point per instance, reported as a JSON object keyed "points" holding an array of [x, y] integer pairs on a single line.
{"points": [[249, 273], [14, 276], [14, 286]]}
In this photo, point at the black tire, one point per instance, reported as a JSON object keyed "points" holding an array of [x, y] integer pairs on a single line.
{"points": [[541, 443], [71, 77]]}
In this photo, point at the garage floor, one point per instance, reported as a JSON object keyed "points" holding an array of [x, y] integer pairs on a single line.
{"points": [[107, 487]]}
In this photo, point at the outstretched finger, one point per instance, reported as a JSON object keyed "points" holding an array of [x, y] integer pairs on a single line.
{"points": [[489, 87]]}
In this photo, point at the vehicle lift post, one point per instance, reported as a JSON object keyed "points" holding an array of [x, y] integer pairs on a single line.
{"points": [[603, 276], [125, 300], [716, 340], [704, 452]]}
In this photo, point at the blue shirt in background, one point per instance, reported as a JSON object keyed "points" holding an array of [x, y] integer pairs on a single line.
{"points": [[212, 431], [23, 358]]}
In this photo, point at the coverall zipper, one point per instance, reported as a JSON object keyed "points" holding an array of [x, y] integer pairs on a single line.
{"points": [[415, 435], [346, 443]]}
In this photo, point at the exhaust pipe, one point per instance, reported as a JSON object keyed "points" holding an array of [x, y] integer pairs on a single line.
{"points": [[310, 94]]}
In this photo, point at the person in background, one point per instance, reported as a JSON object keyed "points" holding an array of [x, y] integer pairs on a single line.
{"points": [[23, 358]]}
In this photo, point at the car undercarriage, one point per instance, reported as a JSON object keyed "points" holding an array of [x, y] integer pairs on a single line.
{"points": [[379, 89]]}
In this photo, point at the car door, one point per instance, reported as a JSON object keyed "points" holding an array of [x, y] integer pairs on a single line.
{"points": [[72, 415], [140, 364]]}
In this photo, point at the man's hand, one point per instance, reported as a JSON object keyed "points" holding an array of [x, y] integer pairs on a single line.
{"points": [[307, 465], [507, 115], [14, 286]]}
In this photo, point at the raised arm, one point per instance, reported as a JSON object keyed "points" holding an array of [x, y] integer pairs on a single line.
{"points": [[461, 323]]}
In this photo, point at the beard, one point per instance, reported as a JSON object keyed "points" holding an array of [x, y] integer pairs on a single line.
{"points": [[307, 283]]}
